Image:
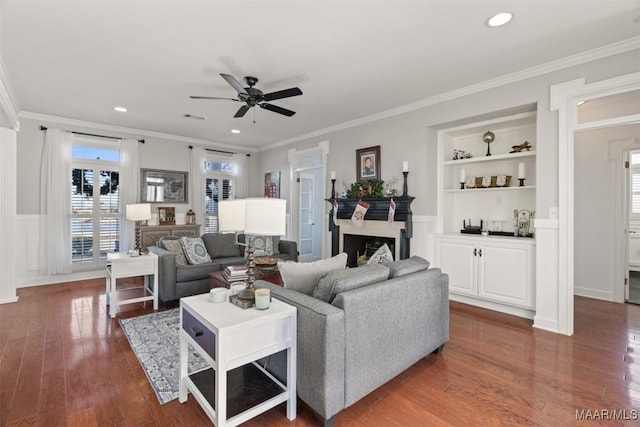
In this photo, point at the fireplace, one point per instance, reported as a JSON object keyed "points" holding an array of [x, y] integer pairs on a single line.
{"points": [[354, 240], [359, 248]]}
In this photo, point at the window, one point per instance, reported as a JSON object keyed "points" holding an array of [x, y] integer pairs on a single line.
{"points": [[219, 185], [634, 185], [95, 202]]}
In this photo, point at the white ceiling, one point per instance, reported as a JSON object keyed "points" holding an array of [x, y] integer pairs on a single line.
{"points": [[78, 59]]}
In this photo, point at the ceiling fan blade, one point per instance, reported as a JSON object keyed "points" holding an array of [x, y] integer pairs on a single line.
{"points": [[234, 83], [286, 93], [212, 97], [242, 111], [277, 109]]}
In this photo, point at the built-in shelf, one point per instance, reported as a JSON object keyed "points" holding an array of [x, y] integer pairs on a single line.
{"points": [[492, 158], [468, 190]]}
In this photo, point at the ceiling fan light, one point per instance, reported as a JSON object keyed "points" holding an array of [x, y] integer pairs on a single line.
{"points": [[499, 19]]}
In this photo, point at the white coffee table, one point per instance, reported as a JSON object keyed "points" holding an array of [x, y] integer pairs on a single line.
{"points": [[121, 265], [234, 388]]}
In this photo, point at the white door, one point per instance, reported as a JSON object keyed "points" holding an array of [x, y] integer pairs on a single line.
{"points": [[306, 217]]}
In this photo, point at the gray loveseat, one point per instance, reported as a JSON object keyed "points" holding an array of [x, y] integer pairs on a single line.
{"points": [[370, 330], [177, 281]]}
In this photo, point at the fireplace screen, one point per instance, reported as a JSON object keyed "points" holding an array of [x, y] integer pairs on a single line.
{"points": [[360, 248]]}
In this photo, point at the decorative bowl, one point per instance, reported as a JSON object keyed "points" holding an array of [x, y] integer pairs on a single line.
{"points": [[266, 262]]}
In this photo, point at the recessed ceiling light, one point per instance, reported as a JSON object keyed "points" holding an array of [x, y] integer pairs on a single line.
{"points": [[584, 101], [120, 109], [235, 131], [499, 19], [191, 116]]}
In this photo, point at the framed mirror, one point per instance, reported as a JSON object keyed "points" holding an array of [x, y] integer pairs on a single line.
{"points": [[163, 186]]}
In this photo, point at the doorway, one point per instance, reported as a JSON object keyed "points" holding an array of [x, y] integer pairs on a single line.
{"points": [[632, 209], [307, 205]]}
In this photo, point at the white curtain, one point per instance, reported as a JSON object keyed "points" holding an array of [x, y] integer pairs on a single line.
{"points": [[55, 202], [198, 177], [129, 189], [241, 175]]}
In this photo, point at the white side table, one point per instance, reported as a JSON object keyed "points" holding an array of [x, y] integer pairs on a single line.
{"points": [[121, 265], [234, 388]]}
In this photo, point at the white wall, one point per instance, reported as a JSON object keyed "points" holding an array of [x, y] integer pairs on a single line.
{"points": [[596, 241]]}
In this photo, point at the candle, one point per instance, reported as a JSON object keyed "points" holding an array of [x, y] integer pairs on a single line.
{"points": [[521, 170], [463, 175], [405, 166], [333, 174]]}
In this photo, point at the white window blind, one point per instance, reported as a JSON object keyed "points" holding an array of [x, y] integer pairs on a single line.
{"points": [[95, 203], [217, 188]]}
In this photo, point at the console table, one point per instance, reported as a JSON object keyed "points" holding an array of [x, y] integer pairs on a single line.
{"points": [[150, 234], [121, 265], [231, 339]]}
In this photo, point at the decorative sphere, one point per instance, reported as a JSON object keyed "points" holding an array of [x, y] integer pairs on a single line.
{"points": [[488, 137]]}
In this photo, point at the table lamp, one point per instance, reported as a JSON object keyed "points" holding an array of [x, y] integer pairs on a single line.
{"points": [[138, 212], [255, 216]]}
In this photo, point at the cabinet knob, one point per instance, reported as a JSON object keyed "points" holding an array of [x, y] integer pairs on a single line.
{"points": [[475, 252], [480, 252]]}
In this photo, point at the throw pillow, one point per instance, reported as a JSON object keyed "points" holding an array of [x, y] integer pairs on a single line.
{"points": [[194, 250], [260, 245], [221, 245], [336, 281], [303, 276], [407, 266], [382, 255], [175, 246]]}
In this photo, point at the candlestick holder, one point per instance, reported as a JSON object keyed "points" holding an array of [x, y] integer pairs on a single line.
{"points": [[521, 182], [405, 192], [462, 185], [333, 188]]}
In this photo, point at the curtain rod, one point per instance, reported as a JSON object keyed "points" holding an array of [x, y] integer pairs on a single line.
{"points": [[220, 151], [43, 128]]}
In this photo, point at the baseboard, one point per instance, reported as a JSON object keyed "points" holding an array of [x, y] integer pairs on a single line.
{"points": [[546, 324], [27, 282], [502, 308], [593, 293]]}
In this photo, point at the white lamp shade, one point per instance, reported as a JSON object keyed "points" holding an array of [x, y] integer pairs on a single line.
{"points": [[231, 215], [139, 212], [266, 216]]}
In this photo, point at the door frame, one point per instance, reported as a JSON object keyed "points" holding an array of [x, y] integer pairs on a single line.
{"points": [[564, 99]]}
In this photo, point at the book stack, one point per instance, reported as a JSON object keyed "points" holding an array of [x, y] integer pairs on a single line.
{"points": [[235, 273]]}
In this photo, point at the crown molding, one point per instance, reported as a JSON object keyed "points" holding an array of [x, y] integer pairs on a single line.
{"points": [[125, 131], [8, 107], [528, 73]]}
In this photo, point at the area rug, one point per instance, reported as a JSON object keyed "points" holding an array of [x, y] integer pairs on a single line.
{"points": [[154, 339]]}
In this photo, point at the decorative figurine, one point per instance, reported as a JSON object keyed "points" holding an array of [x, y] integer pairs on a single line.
{"points": [[488, 137]]}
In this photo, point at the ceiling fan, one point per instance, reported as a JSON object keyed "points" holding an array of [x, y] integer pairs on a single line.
{"points": [[252, 96]]}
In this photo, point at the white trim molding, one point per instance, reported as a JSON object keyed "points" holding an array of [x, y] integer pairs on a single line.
{"points": [[8, 189], [564, 99], [528, 73]]}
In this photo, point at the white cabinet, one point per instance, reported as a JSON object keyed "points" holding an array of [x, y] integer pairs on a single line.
{"points": [[496, 269]]}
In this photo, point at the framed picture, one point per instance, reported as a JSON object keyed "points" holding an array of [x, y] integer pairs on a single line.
{"points": [[162, 186], [368, 164], [167, 216], [272, 185]]}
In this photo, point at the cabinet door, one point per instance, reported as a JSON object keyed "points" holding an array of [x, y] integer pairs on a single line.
{"points": [[456, 258], [505, 272]]}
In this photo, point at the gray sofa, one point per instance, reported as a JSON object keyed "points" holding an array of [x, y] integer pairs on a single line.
{"points": [[177, 281], [365, 335]]}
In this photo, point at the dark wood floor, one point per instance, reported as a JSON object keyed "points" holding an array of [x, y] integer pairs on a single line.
{"points": [[63, 361]]}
